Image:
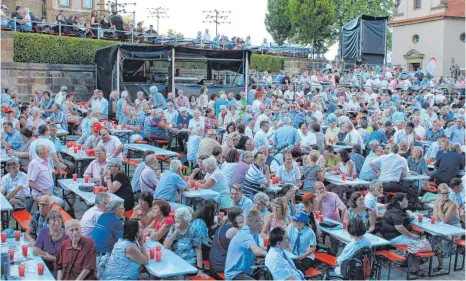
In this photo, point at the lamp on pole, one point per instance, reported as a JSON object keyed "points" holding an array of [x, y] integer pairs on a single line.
{"points": [[217, 17]]}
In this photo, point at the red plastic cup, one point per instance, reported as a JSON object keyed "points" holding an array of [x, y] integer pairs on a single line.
{"points": [[3, 237], [266, 242], [21, 270], [221, 215], [420, 217], [145, 239], [158, 248], [79, 146], [186, 178], [114, 126], [17, 235], [355, 176], [95, 189], [152, 253], [424, 139], [103, 189], [75, 150], [343, 177], [24, 249], [69, 145], [75, 177], [432, 219], [86, 179], [40, 268], [196, 186], [12, 255], [317, 213], [158, 256], [321, 218], [345, 225]]}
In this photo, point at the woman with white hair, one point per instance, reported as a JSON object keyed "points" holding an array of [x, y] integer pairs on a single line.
{"points": [[36, 120], [185, 240], [216, 180], [225, 116], [26, 23], [196, 121]]}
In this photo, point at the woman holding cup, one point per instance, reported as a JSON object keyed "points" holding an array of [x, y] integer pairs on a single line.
{"points": [[128, 254]]}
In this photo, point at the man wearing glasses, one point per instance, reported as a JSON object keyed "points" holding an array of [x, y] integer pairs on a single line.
{"points": [[38, 219]]}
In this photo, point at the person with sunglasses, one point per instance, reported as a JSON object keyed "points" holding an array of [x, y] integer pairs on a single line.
{"points": [[38, 220], [446, 211]]}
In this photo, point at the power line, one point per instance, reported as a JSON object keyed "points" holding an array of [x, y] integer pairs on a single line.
{"points": [[217, 17], [159, 13]]}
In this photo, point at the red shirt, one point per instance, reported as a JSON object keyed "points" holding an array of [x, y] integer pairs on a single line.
{"points": [[73, 260], [167, 220]]}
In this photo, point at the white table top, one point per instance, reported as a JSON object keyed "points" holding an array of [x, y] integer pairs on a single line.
{"points": [[201, 193], [5, 156], [145, 147], [81, 155], [31, 261], [343, 235], [438, 228], [4, 204], [62, 132], [174, 206], [277, 187], [337, 147], [336, 179], [88, 197], [413, 177], [122, 131], [170, 265]]}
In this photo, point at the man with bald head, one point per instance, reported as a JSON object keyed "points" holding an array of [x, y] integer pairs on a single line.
{"points": [[76, 258], [38, 219], [149, 177]]}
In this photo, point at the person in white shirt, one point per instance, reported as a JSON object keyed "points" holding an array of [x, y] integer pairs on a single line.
{"points": [[249, 130], [308, 138], [289, 94], [43, 139], [112, 145], [258, 103], [206, 36], [203, 97], [260, 138], [407, 134], [263, 117], [90, 217], [418, 129], [393, 167], [60, 96], [352, 105], [353, 137]]}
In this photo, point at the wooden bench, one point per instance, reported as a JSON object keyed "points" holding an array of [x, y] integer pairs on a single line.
{"points": [[129, 214], [390, 258], [428, 254], [23, 218], [459, 244]]}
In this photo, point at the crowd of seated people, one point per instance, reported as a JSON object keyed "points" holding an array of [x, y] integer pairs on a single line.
{"points": [[270, 155]]}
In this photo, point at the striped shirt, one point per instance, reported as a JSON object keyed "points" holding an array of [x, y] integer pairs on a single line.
{"points": [[254, 178]]}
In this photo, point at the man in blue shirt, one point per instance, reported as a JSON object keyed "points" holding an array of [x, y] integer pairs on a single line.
{"points": [[456, 134], [109, 227], [221, 101], [12, 138], [296, 116], [251, 94], [244, 248], [277, 261], [286, 134], [157, 99], [239, 200], [170, 182]]}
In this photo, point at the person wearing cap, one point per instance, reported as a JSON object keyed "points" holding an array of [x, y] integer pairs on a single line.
{"points": [[277, 261], [170, 182], [15, 186], [5, 21], [60, 96], [11, 138], [10, 117], [87, 125], [112, 145], [118, 182], [302, 241], [239, 200], [93, 139]]}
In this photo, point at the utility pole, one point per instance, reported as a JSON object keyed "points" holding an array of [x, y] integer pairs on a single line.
{"points": [[159, 13], [217, 17]]}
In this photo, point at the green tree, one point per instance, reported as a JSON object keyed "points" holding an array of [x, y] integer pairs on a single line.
{"points": [[311, 20], [277, 20]]}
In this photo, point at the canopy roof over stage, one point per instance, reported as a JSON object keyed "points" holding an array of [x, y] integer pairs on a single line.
{"points": [[131, 58]]}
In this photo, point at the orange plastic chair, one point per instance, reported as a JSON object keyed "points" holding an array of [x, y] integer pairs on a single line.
{"points": [[23, 218], [66, 217]]}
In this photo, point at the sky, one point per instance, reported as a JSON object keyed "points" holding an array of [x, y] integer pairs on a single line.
{"points": [[186, 16]]}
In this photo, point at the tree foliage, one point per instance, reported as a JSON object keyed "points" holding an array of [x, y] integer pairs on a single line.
{"points": [[277, 20], [311, 20]]}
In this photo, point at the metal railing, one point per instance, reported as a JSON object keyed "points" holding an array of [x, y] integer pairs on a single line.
{"points": [[167, 40]]}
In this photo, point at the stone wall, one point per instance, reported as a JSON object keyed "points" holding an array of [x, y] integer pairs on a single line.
{"points": [[7, 47], [300, 64], [27, 77]]}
